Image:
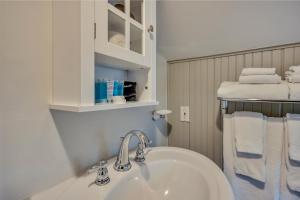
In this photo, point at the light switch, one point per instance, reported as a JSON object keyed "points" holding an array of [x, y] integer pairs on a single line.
{"points": [[187, 114], [184, 114]]}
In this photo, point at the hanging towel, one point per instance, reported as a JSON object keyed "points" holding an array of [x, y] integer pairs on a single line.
{"points": [[258, 71], [294, 91], [292, 166], [295, 68], [260, 79], [249, 128], [293, 130], [251, 166], [245, 188]]}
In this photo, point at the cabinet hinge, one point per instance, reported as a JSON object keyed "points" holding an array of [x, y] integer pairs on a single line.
{"points": [[95, 29]]}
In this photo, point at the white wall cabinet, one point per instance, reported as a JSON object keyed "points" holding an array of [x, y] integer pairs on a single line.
{"points": [[90, 37]]}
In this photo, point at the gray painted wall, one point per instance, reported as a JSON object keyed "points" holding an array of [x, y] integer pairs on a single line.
{"points": [[40, 148], [192, 28]]}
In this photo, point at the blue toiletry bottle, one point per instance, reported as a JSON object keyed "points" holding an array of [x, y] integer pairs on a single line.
{"points": [[110, 90], [116, 85], [97, 91], [103, 91], [121, 88]]}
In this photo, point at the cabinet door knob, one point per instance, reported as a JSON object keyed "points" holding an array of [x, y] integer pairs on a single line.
{"points": [[150, 29]]}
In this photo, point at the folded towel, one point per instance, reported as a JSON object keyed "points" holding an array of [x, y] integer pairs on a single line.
{"points": [[235, 90], [293, 180], [251, 166], [260, 79], [294, 91], [117, 38], [295, 68], [258, 71], [292, 167], [249, 132], [249, 129], [293, 130], [288, 73], [293, 78]]}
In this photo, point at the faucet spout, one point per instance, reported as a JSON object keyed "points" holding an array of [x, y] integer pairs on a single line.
{"points": [[122, 163]]}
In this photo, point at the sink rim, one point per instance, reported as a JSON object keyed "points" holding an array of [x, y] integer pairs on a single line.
{"points": [[224, 188], [78, 188]]}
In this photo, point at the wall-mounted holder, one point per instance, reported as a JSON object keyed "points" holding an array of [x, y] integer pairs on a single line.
{"points": [[160, 114]]}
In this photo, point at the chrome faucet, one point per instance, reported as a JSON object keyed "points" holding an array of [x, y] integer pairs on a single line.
{"points": [[122, 163]]}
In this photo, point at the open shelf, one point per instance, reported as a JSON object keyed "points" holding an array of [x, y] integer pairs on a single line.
{"points": [[99, 107], [113, 62]]}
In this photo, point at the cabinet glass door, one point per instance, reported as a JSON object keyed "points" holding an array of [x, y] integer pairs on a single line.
{"points": [[136, 10], [116, 29], [126, 24]]}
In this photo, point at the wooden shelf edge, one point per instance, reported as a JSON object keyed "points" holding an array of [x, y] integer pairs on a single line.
{"points": [[117, 63], [99, 107]]}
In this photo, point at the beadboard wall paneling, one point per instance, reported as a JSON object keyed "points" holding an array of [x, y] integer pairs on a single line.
{"points": [[194, 83], [178, 95]]}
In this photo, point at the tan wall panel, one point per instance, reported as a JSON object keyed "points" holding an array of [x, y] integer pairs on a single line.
{"points": [[267, 59], [196, 102], [210, 108], [218, 144], [178, 95], [257, 59]]}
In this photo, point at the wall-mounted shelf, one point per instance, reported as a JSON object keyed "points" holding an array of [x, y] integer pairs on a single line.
{"points": [[99, 107], [106, 43]]}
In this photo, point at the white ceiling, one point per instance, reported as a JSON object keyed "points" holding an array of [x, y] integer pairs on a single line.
{"points": [[188, 29]]}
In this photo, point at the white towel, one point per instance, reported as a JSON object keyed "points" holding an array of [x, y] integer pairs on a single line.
{"points": [[117, 38], [245, 188], [249, 129], [249, 134], [292, 167], [287, 73], [251, 166], [258, 71], [294, 91], [293, 78], [260, 79], [293, 130], [254, 91], [295, 68]]}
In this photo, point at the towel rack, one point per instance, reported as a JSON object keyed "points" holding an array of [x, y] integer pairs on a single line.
{"points": [[224, 102]]}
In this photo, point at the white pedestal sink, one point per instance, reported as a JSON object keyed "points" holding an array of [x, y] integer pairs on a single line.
{"points": [[168, 173]]}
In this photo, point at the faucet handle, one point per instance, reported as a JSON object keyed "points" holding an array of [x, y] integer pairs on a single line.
{"points": [[140, 155], [102, 174], [95, 168]]}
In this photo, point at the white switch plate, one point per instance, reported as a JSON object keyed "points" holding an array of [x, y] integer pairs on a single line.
{"points": [[184, 114]]}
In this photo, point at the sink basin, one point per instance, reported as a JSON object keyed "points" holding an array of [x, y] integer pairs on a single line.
{"points": [[168, 173]]}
